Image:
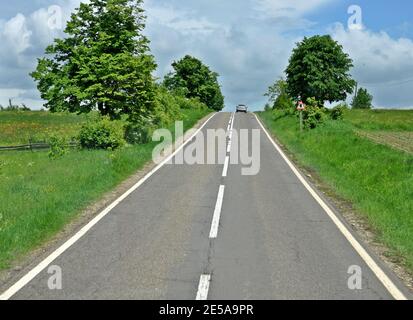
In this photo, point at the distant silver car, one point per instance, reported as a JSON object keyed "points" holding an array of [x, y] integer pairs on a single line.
{"points": [[242, 108]]}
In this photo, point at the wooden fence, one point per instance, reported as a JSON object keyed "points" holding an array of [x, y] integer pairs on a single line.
{"points": [[34, 146]]}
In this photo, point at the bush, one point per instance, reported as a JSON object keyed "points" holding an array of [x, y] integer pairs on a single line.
{"points": [[102, 134], [58, 147], [166, 111], [337, 113], [139, 132], [284, 102], [168, 108], [313, 117], [314, 114], [194, 103]]}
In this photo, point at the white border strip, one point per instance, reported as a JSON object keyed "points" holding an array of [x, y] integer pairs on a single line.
{"points": [[42, 265], [203, 287], [217, 213], [381, 275]]}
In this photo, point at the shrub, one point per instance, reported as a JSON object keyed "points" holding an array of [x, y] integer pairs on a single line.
{"points": [[139, 132], [166, 111], [313, 117], [58, 147], [284, 102], [102, 134], [337, 113], [193, 103], [168, 106], [314, 114]]}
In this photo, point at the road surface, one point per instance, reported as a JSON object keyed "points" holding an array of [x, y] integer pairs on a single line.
{"points": [[273, 239]]}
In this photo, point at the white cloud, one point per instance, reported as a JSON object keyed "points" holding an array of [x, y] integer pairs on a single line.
{"points": [[289, 8], [382, 64], [183, 21], [15, 35]]}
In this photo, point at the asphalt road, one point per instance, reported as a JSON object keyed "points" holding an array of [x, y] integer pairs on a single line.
{"points": [[274, 240]]}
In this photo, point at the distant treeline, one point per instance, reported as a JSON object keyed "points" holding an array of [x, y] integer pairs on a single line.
{"points": [[14, 107]]}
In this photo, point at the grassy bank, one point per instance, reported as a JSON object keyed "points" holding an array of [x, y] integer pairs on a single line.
{"points": [[376, 178], [39, 196]]}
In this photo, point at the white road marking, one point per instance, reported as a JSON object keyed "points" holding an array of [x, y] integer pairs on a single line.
{"points": [[230, 131], [225, 170], [42, 265], [232, 122], [217, 213], [380, 274], [203, 287]]}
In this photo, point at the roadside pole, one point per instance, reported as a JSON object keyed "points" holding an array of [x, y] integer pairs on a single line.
{"points": [[301, 108]]}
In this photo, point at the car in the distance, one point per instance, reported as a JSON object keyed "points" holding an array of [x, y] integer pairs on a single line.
{"points": [[242, 108]]}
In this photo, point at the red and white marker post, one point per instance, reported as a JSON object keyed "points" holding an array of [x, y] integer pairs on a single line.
{"points": [[301, 108]]}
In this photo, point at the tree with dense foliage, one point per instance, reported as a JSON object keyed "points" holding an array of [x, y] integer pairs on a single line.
{"points": [[193, 79], [103, 62], [362, 100], [278, 96], [319, 68]]}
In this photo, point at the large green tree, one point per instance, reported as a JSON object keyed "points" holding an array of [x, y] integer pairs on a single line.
{"points": [[194, 79], [103, 62], [319, 68]]}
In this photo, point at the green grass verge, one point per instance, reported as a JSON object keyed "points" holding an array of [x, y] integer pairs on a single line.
{"points": [[39, 196], [378, 180]]}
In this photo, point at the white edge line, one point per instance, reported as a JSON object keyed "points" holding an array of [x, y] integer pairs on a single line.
{"points": [[203, 287], [217, 213], [225, 170], [380, 274], [42, 265]]}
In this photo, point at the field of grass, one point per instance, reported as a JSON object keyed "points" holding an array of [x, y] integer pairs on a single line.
{"points": [[39, 196], [388, 120], [19, 127], [376, 178]]}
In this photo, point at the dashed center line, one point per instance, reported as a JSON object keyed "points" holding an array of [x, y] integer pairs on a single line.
{"points": [[225, 170], [203, 287], [205, 279], [217, 213]]}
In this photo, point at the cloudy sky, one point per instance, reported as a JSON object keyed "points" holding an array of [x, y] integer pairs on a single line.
{"points": [[247, 42]]}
